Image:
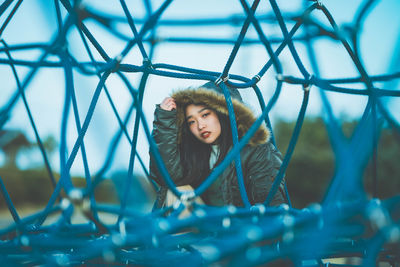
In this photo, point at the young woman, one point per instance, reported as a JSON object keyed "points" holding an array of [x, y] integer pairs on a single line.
{"points": [[193, 134]]}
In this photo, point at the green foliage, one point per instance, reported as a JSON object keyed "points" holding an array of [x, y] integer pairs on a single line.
{"points": [[30, 186], [33, 187], [312, 165], [388, 182]]}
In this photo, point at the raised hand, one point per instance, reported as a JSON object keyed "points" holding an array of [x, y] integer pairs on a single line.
{"points": [[168, 104]]}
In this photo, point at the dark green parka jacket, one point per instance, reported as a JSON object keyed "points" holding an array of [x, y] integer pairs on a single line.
{"points": [[260, 159]]}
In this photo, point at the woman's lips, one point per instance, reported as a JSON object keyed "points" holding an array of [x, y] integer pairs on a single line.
{"points": [[205, 135]]}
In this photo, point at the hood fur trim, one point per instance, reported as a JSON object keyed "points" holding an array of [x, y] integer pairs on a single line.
{"points": [[216, 101]]}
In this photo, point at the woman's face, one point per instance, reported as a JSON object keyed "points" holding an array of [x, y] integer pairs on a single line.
{"points": [[203, 123]]}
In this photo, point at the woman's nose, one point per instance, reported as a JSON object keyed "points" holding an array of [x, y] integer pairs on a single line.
{"points": [[201, 125]]}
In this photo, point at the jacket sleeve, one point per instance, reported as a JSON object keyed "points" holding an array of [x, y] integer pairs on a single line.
{"points": [[263, 166], [165, 133]]}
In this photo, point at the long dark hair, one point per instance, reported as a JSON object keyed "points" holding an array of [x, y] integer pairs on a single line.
{"points": [[195, 155]]}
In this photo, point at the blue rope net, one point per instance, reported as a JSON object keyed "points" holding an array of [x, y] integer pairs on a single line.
{"points": [[347, 223]]}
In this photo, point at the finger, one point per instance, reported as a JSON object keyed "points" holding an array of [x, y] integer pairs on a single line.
{"points": [[168, 103], [164, 106], [167, 99]]}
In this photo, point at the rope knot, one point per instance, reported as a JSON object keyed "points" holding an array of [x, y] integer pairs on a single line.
{"points": [[58, 47], [319, 4], [307, 85], [186, 199], [116, 62], [221, 79], [279, 77], [257, 78], [147, 63]]}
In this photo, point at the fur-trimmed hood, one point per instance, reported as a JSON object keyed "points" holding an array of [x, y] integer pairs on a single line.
{"points": [[216, 101]]}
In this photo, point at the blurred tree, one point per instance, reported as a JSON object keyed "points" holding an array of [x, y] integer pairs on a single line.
{"points": [[50, 144], [11, 142], [388, 182], [312, 165], [33, 186]]}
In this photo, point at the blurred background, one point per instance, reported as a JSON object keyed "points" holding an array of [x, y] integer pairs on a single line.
{"points": [[179, 40]]}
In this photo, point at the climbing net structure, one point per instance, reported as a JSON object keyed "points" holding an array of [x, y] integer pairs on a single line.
{"points": [[346, 224]]}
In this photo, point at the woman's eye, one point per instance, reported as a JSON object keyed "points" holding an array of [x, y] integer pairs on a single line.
{"points": [[206, 114], [190, 122]]}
